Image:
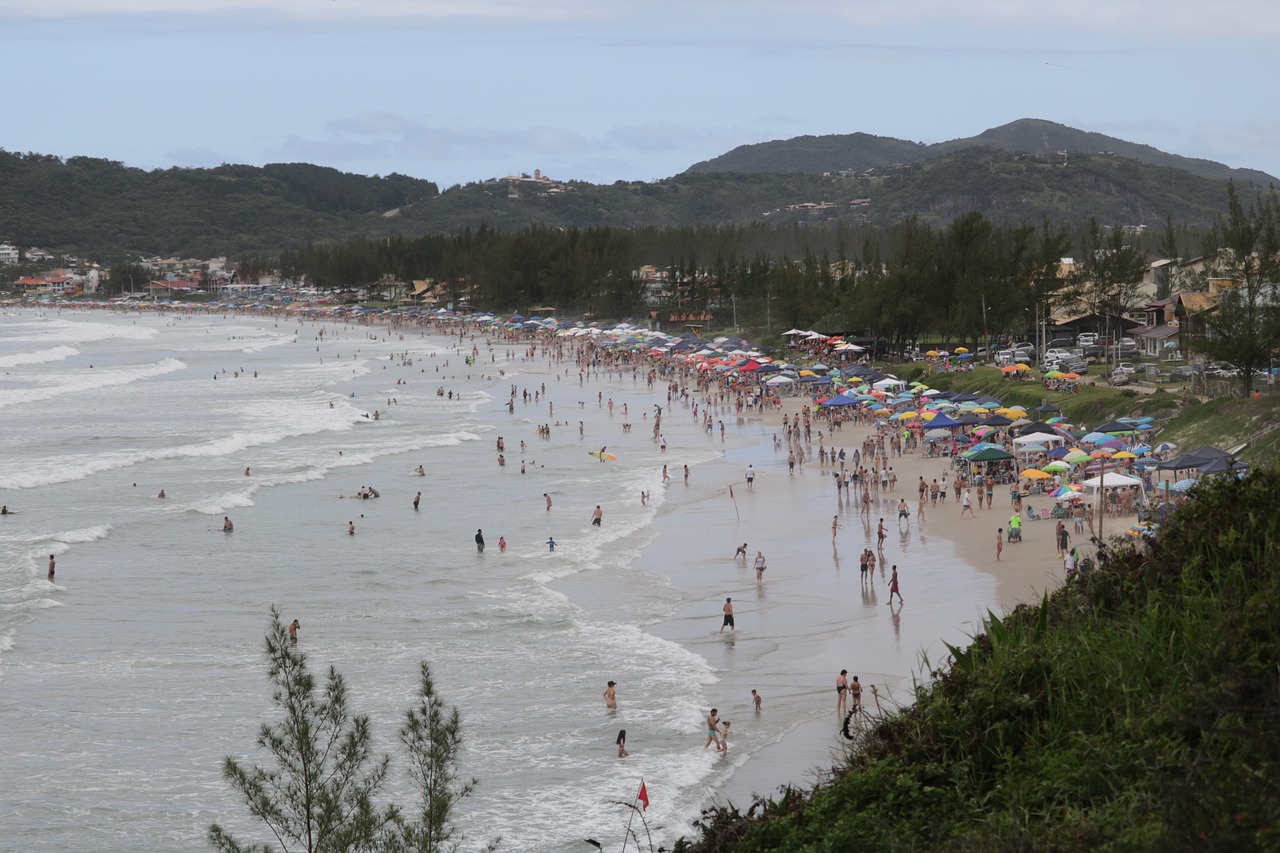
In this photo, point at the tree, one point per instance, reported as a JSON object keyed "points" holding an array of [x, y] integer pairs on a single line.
{"points": [[1246, 325], [321, 796], [1108, 277], [433, 737]]}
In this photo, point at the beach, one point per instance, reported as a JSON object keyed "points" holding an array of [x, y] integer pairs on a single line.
{"points": [[130, 676]]}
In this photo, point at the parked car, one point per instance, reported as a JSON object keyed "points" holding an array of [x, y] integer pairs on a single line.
{"points": [[1012, 356], [1057, 354], [1117, 378], [1184, 372], [1060, 343], [1126, 367], [1086, 339], [1226, 370]]}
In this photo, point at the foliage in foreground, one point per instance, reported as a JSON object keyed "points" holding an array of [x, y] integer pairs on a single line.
{"points": [[1137, 708], [322, 795]]}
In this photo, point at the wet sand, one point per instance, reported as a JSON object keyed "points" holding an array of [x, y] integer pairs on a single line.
{"points": [[817, 616]]}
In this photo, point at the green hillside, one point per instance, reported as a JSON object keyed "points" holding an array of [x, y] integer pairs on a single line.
{"points": [[1136, 709], [859, 151], [102, 209]]}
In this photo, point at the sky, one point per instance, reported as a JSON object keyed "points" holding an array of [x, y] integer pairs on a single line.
{"points": [[605, 90]]}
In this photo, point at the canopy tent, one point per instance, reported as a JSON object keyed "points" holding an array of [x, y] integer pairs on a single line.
{"points": [[1111, 480], [1051, 439], [989, 454]]}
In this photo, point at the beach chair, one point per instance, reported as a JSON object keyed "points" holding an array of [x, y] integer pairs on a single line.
{"points": [[1031, 515], [1044, 515]]}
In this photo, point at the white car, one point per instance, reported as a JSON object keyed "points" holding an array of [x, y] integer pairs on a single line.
{"points": [[1087, 339], [1126, 367], [1056, 354]]}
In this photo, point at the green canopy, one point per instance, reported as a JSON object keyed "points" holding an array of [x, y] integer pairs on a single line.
{"points": [[990, 454]]}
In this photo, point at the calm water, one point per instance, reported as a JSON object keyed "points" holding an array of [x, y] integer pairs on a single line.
{"points": [[124, 682]]}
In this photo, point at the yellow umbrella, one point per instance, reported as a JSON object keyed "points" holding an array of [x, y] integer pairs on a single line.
{"points": [[928, 414], [1036, 474], [807, 373], [905, 416], [959, 350], [1023, 368], [1124, 454], [933, 353], [980, 411]]}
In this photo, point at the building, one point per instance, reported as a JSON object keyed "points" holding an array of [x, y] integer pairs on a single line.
{"points": [[9, 255]]}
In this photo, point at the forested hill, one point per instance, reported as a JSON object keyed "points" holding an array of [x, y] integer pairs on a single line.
{"points": [[102, 208], [860, 151]]}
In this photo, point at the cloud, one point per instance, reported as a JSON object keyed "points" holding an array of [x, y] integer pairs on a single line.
{"points": [[495, 11]]}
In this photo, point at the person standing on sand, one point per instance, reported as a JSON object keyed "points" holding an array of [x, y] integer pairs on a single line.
{"points": [[728, 615], [293, 632], [480, 540], [751, 477], [611, 696], [835, 526], [855, 695], [893, 586], [966, 504], [999, 542], [842, 687], [881, 535], [759, 565]]}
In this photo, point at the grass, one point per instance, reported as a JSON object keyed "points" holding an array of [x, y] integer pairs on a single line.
{"points": [[1137, 708]]}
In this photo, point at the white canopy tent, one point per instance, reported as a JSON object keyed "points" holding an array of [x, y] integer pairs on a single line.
{"points": [[1042, 438]]}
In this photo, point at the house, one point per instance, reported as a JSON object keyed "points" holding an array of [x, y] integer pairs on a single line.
{"points": [[9, 255]]}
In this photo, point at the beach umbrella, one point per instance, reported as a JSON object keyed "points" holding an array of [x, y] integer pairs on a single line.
{"points": [[1165, 447], [1009, 368], [1124, 454], [1072, 375], [961, 350], [1184, 485], [1056, 467], [1035, 474], [1096, 437], [1055, 374], [933, 353], [1100, 453], [938, 434], [1022, 368], [1076, 456], [1067, 491]]}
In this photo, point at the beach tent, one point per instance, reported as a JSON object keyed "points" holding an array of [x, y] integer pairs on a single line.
{"points": [[1028, 439], [988, 454], [941, 421], [1111, 480], [997, 421], [1224, 465]]}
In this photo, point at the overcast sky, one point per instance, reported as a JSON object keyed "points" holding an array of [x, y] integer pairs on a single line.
{"points": [[605, 90]]}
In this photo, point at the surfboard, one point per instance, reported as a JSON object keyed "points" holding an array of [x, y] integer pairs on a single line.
{"points": [[602, 456]]}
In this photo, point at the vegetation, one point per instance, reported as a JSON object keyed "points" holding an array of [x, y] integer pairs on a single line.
{"points": [[108, 212], [1245, 328], [322, 795], [1136, 708], [860, 151]]}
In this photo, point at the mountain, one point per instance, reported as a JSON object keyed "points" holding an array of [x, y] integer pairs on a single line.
{"points": [[860, 151], [103, 210]]}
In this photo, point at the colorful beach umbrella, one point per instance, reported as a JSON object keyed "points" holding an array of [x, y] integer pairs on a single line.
{"points": [[1035, 474]]}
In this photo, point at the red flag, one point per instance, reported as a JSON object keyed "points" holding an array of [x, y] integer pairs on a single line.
{"points": [[643, 796], [731, 497]]}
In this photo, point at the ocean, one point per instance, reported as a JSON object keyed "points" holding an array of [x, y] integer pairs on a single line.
{"points": [[126, 679]]}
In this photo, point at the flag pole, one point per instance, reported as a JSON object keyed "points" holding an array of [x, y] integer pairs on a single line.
{"points": [[626, 838]]}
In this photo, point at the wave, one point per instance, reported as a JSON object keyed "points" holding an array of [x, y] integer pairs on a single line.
{"points": [[89, 380], [76, 332], [58, 353]]}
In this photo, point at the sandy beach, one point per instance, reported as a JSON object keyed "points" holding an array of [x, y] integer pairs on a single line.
{"points": [[836, 634]]}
